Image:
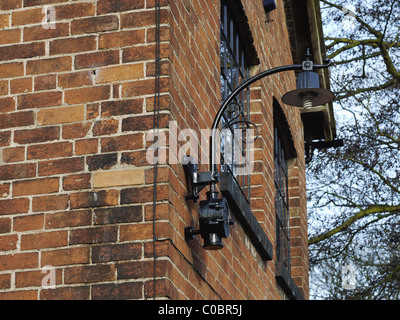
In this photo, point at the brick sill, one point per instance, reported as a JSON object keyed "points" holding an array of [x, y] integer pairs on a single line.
{"points": [[286, 282]]}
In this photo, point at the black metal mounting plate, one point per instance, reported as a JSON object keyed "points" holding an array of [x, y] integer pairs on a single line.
{"points": [[195, 180]]}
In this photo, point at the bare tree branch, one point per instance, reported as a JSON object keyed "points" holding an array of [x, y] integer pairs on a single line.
{"points": [[359, 215]]}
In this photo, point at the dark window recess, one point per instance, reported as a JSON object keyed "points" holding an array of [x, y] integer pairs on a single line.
{"points": [[281, 202]]}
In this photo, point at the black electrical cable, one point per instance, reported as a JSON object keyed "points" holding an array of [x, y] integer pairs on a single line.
{"points": [[156, 126]]}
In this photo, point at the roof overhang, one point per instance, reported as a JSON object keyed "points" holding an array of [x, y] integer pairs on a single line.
{"points": [[305, 31]]}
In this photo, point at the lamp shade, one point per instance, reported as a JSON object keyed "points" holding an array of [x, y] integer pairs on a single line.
{"points": [[269, 5], [308, 93]]}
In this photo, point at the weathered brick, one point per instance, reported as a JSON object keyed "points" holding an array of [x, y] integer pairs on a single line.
{"points": [[28, 222], [116, 252], [142, 87], [141, 53], [11, 70], [89, 94], [92, 111], [119, 73], [102, 161], [72, 218], [49, 151], [36, 135], [143, 231], [94, 24], [39, 100], [8, 242], [34, 187], [17, 119], [10, 4], [135, 158], [164, 69], [137, 194], [4, 190], [75, 130], [108, 6], [122, 39], [19, 295], [163, 288], [10, 36], [19, 261], [50, 203], [119, 143], [75, 10], [64, 257], [7, 105], [77, 182], [76, 79], [117, 291], [72, 45], [30, 3], [22, 51], [118, 178], [3, 87], [45, 66], [61, 166], [34, 278], [61, 115], [17, 171], [39, 33], [94, 199], [94, 235], [96, 59], [5, 226], [142, 19], [46, 82], [4, 20], [90, 274], [116, 108], [139, 123], [66, 293], [5, 281], [23, 85], [118, 215], [105, 127], [44, 240], [29, 16], [86, 146], [141, 269], [13, 154]]}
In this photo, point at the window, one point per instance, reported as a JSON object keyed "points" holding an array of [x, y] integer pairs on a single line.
{"points": [[237, 54], [284, 152], [281, 202], [234, 71]]}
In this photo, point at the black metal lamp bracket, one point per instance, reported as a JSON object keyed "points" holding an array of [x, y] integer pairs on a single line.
{"points": [[197, 180], [214, 218]]}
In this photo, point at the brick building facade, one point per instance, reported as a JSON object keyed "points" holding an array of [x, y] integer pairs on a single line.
{"points": [[81, 91]]}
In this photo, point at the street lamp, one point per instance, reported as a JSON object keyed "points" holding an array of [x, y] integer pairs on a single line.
{"points": [[213, 213]]}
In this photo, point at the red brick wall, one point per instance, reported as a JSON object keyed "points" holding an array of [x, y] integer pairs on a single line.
{"points": [[76, 190]]}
